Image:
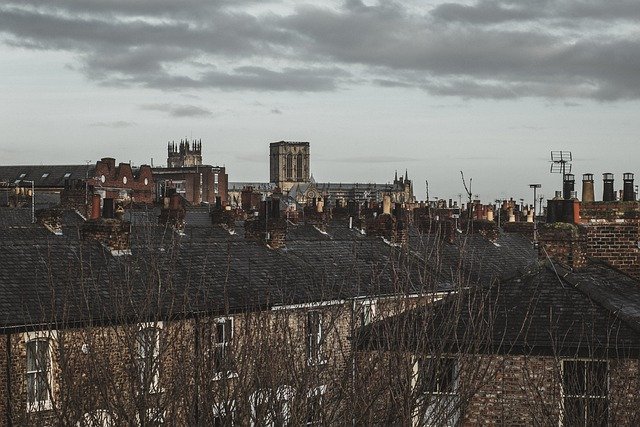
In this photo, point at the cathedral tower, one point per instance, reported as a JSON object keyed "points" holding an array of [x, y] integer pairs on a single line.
{"points": [[184, 154], [289, 163]]}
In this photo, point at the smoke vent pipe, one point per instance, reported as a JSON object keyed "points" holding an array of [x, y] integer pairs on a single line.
{"points": [[608, 194], [587, 188], [628, 192], [568, 185]]}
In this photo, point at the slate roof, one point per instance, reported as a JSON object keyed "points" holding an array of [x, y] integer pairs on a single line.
{"points": [[44, 176], [206, 269], [549, 310]]}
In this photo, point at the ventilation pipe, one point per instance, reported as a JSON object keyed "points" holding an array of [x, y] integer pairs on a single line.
{"points": [[608, 194], [587, 188]]}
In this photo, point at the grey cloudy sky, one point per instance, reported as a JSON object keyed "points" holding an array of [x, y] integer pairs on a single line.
{"points": [[484, 86]]}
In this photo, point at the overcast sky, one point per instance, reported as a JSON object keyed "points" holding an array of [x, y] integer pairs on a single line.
{"points": [[488, 86]]}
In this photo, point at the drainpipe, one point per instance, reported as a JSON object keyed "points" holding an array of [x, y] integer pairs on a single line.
{"points": [[8, 391]]}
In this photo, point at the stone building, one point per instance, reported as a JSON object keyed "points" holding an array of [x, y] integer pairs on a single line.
{"points": [[186, 175], [288, 163]]}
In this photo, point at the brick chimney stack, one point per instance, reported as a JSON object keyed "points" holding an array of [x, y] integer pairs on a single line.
{"points": [[268, 227], [174, 214], [109, 229]]}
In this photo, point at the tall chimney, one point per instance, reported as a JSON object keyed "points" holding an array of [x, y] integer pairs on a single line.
{"points": [[608, 194], [386, 205], [587, 188], [95, 206], [628, 192], [568, 185], [108, 208]]}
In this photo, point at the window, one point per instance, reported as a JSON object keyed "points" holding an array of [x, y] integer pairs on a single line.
{"points": [[313, 407], [436, 386], [314, 338], [44, 175], [68, 174], [220, 335], [224, 414], [154, 417], [289, 168], [148, 343], [585, 393], [366, 312], [97, 418], [39, 377], [299, 166], [270, 407]]}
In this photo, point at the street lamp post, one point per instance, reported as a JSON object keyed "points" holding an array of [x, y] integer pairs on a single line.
{"points": [[535, 223]]}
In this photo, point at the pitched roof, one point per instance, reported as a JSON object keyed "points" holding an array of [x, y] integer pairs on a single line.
{"points": [[549, 310], [205, 269], [47, 176]]}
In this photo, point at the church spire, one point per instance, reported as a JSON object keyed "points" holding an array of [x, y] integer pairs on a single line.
{"points": [[406, 175], [396, 178]]}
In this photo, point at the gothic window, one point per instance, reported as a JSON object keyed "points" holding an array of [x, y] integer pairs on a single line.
{"points": [[289, 168], [299, 167]]}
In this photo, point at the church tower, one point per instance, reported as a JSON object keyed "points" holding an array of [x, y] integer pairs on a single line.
{"points": [[184, 154], [289, 163]]}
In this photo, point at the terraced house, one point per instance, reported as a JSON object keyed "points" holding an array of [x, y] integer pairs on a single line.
{"points": [[185, 317]]}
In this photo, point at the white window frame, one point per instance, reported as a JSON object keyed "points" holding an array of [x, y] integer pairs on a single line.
{"points": [[154, 386], [283, 395], [156, 415], [99, 417], [218, 375], [434, 399], [314, 341], [317, 391], [584, 396], [367, 311], [40, 336], [223, 410]]}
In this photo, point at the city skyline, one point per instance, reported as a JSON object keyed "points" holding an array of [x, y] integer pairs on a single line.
{"points": [[488, 87]]}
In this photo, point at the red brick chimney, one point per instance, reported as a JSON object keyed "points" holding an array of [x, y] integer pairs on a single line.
{"points": [[109, 230]]}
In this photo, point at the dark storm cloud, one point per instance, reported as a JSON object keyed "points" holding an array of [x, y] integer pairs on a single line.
{"points": [[178, 111], [498, 49]]}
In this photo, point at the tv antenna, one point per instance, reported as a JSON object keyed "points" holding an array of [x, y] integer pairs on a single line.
{"points": [[561, 162]]}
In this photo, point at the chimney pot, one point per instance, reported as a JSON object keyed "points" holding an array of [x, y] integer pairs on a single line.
{"points": [[608, 194], [386, 205], [628, 194], [568, 185], [587, 188]]}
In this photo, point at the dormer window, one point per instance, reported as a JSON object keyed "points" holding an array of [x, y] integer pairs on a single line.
{"points": [[66, 175], [44, 175]]}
